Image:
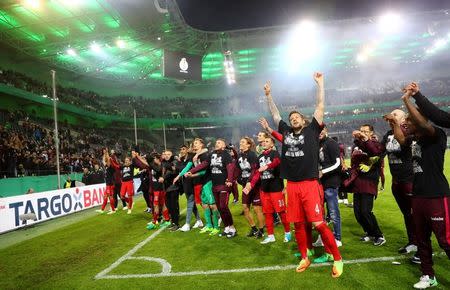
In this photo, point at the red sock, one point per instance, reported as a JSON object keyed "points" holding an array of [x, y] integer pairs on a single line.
{"points": [[287, 226], [111, 203], [130, 202], [105, 201], [300, 236], [329, 241], [309, 236], [166, 214], [269, 223], [155, 217]]}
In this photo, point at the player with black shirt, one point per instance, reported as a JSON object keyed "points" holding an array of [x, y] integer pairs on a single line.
{"points": [[203, 177], [185, 158], [431, 194], [247, 166], [398, 150], [330, 178], [300, 166], [127, 187], [272, 196], [109, 179], [222, 173]]}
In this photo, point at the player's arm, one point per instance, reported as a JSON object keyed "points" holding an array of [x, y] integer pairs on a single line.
{"points": [[397, 129], [431, 111], [265, 125], [333, 151], [415, 116], [272, 107], [200, 167], [320, 98]]}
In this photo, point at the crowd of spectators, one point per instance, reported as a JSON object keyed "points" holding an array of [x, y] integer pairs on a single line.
{"points": [[28, 146]]}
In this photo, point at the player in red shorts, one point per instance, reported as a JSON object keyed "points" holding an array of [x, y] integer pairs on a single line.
{"points": [[247, 167], [127, 188], [300, 166], [272, 196], [109, 179]]}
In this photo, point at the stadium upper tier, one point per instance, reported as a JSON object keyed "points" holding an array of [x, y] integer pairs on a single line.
{"points": [[78, 106]]}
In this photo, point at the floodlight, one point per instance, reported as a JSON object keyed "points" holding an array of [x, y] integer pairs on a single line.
{"points": [[390, 23]]}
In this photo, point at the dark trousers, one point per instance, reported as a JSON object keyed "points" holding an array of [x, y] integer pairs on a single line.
{"points": [[402, 194], [117, 195], [147, 198], [173, 205], [431, 215], [362, 207], [222, 198]]}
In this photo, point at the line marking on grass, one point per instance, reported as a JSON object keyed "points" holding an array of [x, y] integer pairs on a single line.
{"points": [[167, 268], [260, 269]]}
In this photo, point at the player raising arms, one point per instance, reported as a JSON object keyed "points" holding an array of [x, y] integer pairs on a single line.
{"points": [[300, 166], [272, 196], [109, 179]]}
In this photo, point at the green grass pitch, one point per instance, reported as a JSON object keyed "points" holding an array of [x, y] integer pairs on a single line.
{"points": [[70, 252]]}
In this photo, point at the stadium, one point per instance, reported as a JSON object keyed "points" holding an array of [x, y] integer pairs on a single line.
{"points": [[224, 144]]}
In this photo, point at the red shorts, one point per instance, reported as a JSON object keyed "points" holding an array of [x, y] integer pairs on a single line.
{"points": [[159, 198], [127, 189], [273, 202], [198, 193], [253, 197], [304, 201], [109, 190]]}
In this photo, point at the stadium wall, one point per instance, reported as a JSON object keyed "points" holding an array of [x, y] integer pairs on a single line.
{"points": [[19, 186]]}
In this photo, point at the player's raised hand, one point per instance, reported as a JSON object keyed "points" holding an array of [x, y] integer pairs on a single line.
{"points": [[267, 88], [390, 118], [264, 124], [318, 78]]}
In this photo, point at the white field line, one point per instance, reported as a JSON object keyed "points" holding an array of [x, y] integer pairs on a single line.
{"points": [[166, 267]]}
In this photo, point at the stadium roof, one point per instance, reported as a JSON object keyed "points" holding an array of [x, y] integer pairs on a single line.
{"points": [[124, 40]]}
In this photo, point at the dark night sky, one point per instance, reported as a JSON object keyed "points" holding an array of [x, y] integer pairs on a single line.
{"points": [[221, 15]]}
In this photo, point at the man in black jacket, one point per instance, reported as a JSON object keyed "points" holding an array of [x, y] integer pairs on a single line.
{"points": [[330, 164]]}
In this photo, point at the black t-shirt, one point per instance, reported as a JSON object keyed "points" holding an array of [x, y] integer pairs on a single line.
{"points": [[218, 164], [247, 161], [300, 152], [109, 175], [328, 153], [156, 174], [428, 165], [399, 157], [270, 178], [127, 172]]}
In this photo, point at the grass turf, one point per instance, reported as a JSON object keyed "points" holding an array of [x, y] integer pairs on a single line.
{"points": [[70, 256]]}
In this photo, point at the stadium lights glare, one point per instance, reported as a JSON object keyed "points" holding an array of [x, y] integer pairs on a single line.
{"points": [[71, 52], [362, 57], [390, 23], [32, 3], [95, 47], [302, 45], [440, 43], [120, 43]]}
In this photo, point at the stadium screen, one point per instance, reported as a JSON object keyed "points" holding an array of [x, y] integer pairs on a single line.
{"points": [[181, 65]]}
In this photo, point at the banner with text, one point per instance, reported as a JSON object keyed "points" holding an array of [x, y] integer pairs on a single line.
{"points": [[47, 205]]}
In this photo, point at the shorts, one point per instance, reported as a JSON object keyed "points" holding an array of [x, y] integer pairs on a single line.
{"points": [[159, 198], [197, 193], [304, 201], [273, 202], [127, 189], [253, 197], [207, 194], [109, 190]]}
